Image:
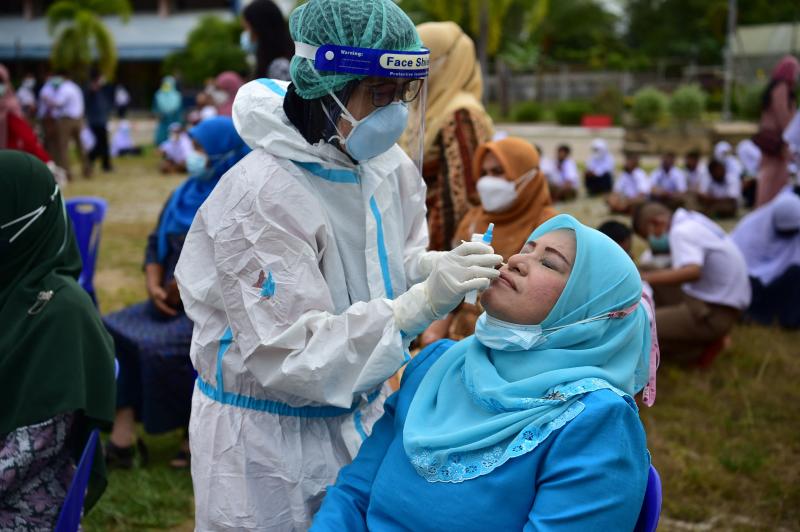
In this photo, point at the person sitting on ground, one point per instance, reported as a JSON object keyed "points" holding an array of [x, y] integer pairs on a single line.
{"points": [[701, 296], [153, 338], [769, 239], [599, 176], [174, 150], [122, 141], [562, 175], [619, 233], [695, 172], [719, 192], [750, 157], [56, 359], [514, 196], [632, 187], [530, 423], [668, 183]]}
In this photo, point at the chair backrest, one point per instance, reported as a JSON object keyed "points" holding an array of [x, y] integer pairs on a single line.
{"points": [[70, 517], [651, 507], [87, 215]]}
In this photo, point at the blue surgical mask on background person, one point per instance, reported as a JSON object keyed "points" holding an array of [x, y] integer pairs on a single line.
{"points": [[375, 133], [247, 43], [659, 244], [196, 163]]}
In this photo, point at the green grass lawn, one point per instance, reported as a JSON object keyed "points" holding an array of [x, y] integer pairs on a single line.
{"points": [[726, 441]]}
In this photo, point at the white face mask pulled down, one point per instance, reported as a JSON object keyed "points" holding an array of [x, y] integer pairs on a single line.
{"points": [[498, 193]]}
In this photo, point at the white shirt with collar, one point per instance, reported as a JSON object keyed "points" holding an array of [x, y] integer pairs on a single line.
{"points": [[633, 184], [672, 181], [695, 178], [730, 188], [67, 100], [696, 240], [562, 174]]}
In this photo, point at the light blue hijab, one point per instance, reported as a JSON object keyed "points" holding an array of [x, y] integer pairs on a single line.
{"points": [[476, 408]]}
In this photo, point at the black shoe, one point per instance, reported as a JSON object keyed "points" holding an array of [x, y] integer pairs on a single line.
{"points": [[123, 457]]}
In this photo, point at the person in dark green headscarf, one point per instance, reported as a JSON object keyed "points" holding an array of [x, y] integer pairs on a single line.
{"points": [[56, 358]]}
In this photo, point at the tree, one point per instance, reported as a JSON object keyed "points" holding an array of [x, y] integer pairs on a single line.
{"points": [[579, 31], [509, 20], [212, 47], [81, 37]]}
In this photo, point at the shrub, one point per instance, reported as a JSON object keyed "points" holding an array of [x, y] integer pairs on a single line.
{"points": [[749, 99], [528, 112], [610, 101], [687, 103], [649, 105], [569, 113]]}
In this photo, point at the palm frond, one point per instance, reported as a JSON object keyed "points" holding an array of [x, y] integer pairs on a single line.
{"points": [[60, 11]]}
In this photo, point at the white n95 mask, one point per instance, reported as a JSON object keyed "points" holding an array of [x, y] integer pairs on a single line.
{"points": [[498, 194]]}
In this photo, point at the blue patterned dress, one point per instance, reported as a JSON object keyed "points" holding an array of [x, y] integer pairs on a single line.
{"points": [[156, 376]]}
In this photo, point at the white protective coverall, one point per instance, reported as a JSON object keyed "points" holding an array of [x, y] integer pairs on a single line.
{"points": [[291, 366]]}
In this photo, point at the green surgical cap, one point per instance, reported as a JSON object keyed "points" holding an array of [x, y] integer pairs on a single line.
{"points": [[359, 23]]}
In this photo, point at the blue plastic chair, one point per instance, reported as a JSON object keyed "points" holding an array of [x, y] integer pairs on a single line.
{"points": [[651, 507], [87, 215], [70, 517]]}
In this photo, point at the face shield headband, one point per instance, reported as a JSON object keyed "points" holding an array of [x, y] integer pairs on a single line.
{"points": [[378, 131]]}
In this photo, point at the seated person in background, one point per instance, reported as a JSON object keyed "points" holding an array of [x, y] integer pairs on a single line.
{"points": [[769, 239], [156, 377], [750, 157], [619, 233], [514, 196], [174, 150], [562, 175], [695, 172], [631, 188], [531, 423], [623, 235], [719, 192], [56, 360], [599, 176], [668, 183], [701, 296], [122, 141]]}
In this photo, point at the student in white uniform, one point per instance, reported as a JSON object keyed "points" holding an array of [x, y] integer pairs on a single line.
{"points": [[769, 239], [631, 188], [750, 156], [695, 172], [562, 175], [599, 176], [719, 191], [668, 183], [305, 272], [711, 273]]}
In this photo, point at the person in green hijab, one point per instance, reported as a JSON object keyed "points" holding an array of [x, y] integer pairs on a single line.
{"points": [[168, 108], [56, 358]]}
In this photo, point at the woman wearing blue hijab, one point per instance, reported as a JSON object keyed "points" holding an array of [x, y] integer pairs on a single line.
{"points": [[153, 338], [529, 424]]}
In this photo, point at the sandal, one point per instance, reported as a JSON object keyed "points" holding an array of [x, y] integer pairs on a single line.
{"points": [[181, 460], [123, 457]]}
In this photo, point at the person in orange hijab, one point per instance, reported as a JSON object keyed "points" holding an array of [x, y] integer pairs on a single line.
{"points": [[515, 197]]}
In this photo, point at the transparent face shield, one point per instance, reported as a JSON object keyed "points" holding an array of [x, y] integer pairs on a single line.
{"points": [[387, 106]]}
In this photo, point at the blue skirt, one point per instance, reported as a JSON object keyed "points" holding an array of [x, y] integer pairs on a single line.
{"points": [[156, 376]]}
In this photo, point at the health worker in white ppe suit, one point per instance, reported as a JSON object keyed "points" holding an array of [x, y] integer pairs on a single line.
{"points": [[306, 273]]}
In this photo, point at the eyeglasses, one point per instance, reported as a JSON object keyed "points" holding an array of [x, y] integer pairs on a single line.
{"points": [[387, 92]]}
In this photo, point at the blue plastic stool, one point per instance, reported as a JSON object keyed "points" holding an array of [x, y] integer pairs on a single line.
{"points": [[72, 510], [87, 215], [651, 507]]}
